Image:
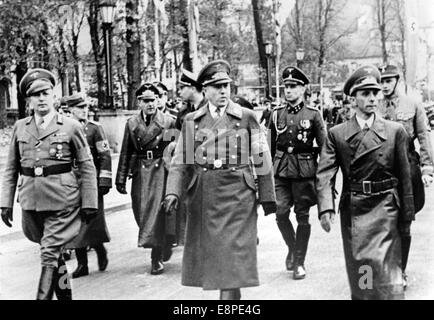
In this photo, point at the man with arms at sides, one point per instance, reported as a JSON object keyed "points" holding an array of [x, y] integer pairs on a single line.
{"points": [[376, 203]]}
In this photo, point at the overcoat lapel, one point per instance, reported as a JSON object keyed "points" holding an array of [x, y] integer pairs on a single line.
{"points": [[372, 140], [31, 127]]}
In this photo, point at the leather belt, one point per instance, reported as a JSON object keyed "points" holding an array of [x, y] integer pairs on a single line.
{"points": [[220, 166], [297, 150], [41, 171], [150, 154], [369, 187]]}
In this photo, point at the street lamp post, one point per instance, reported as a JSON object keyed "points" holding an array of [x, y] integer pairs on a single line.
{"points": [[299, 54], [107, 9], [268, 50]]}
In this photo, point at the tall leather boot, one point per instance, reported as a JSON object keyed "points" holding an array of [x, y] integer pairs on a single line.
{"points": [[301, 242], [62, 286], [82, 268], [288, 234], [101, 254], [230, 294], [405, 250], [156, 260], [46, 283]]}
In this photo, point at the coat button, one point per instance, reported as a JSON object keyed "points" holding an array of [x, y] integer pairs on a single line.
{"points": [[205, 169], [156, 147], [290, 131], [234, 157], [156, 165], [143, 166], [233, 169]]}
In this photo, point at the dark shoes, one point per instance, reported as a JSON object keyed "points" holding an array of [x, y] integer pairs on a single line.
{"points": [[101, 253], [157, 267], [167, 253], [299, 272], [404, 280], [82, 270], [289, 262]]}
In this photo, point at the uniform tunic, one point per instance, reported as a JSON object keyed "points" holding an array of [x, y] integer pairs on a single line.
{"points": [[96, 231], [369, 221], [50, 203], [295, 159], [142, 154], [213, 157], [408, 112]]}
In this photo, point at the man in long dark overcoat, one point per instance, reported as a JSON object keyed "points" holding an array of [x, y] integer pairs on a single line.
{"points": [[95, 233], [142, 152], [213, 156], [376, 204]]}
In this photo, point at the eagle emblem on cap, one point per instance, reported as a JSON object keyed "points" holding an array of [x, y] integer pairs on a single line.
{"points": [[35, 75], [220, 68], [367, 70]]}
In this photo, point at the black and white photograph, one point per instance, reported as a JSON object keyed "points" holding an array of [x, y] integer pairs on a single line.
{"points": [[235, 151]]}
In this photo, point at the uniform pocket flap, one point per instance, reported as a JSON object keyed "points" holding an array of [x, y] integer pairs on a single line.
{"points": [[68, 179], [192, 181], [250, 181], [305, 156], [60, 139], [24, 138]]}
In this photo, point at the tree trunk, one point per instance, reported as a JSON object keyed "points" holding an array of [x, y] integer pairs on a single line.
{"points": [[133, 52], [96, 48], [186, 59], [259, 36], [381, 14], [20, 71]]}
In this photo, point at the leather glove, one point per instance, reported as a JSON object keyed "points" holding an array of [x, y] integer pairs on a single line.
{"points": [[121, 188], [327, 219], [7, 216], [103, 190], [88, 214], [404, 228], [169, 204], [269, 207], [427, 180]]}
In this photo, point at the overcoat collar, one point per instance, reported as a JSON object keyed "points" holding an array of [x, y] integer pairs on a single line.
{"points": [[371, 141], [232, 109], [154, 129]]}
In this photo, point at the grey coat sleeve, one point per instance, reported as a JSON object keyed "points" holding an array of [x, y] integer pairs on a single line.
{"points": [[326, 176], [12, 170]]}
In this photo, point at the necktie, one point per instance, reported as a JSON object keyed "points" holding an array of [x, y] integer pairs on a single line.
{"points": [[390, 110], [217, 111], [41, 123]]}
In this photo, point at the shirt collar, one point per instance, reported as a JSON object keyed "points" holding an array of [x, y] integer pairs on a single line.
{"points": [[47, 118], [213, 109], [362, 122]]}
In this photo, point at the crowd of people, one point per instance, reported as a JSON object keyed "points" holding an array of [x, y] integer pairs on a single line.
{"points": [[201, 170]]}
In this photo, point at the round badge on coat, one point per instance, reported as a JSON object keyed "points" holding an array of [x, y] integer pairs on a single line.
{"points": [[52, 152], [218, 163], [300, 136], [290, 149], [59, 147]]}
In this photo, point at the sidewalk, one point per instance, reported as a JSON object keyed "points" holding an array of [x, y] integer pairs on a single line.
{"points": [[113, 202]]}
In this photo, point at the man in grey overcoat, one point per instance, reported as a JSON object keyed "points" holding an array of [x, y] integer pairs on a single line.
{"points": [[220, 147]]}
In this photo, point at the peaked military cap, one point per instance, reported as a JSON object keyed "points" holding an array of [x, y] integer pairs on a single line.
{"points": [[215, 72], [366, 77], [36, 80], [161, 88], [389, 71], [188, 78], [147, 91], [76, 101], [293, 74]]}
